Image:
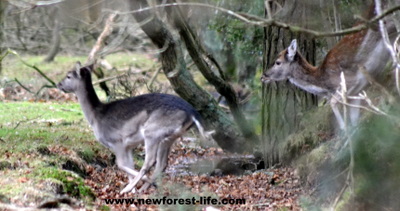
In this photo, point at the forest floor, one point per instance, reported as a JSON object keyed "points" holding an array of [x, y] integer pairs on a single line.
{"points": [[269, 189]]}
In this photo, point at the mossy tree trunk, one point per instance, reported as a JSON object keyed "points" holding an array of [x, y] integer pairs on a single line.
{"points": [[283, 103]]}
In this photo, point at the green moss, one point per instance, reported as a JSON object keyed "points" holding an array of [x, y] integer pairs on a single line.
{"points": [[87, 155], [314, 129], [105, 208], [73, 185], [5, 165]]}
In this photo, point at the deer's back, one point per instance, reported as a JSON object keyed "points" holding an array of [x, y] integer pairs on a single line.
{"points": [[127, 108]]}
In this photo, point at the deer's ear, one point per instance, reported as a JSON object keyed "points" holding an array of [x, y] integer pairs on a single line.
{"points": [[78, 65], [292, 50], [90, 67], [78, 68], [84, 72]]}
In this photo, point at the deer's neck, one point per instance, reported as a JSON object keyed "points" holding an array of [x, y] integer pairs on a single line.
{"points": [[309, 78], [89, 102]]}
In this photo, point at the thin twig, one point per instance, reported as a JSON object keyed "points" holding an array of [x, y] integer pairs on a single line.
{"points": [[335, 202], [153, 78], [109, 78], [27, 120], [21, 85], [44, 86], [328, 180], [359, 106]]}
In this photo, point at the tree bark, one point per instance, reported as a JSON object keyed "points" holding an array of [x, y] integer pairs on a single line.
{"points": [[3, 5], [174, 68], [283, 103]]}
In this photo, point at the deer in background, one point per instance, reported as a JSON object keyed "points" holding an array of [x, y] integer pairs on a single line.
{"points": [[156, 120], [363, 50]]}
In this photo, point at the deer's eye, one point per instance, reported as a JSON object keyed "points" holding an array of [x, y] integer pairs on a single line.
{"points": [[278, 63], [68, 76]]}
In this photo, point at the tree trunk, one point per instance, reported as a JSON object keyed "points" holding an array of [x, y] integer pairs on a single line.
{"points": [[55, 42], [3, 5], [174, 68], [283, 103]]}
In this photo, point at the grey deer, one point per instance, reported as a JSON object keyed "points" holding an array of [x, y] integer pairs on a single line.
{"points": [[354, 53], [156, 120]]}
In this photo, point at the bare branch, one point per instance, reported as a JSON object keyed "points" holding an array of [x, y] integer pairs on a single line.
{"points": [[100, 40], [48, 2], [259, 21], [360, 97]]}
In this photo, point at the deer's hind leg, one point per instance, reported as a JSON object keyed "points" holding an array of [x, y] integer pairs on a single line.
{"points": [[125, 162], [161, 160], [151, 146], [163, 149]]}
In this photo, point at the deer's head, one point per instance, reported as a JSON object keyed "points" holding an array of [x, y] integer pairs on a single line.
{"points": [[76, 79], [282, 68]]}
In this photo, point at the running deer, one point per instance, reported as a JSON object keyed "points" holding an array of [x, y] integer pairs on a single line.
{"points": [[354, 53], [156, 120]]}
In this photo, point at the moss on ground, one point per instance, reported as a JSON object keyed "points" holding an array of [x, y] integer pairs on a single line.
{"points": [[72, 183]]}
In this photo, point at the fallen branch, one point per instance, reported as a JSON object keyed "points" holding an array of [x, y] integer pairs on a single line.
{"points": [[53, 84]]}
